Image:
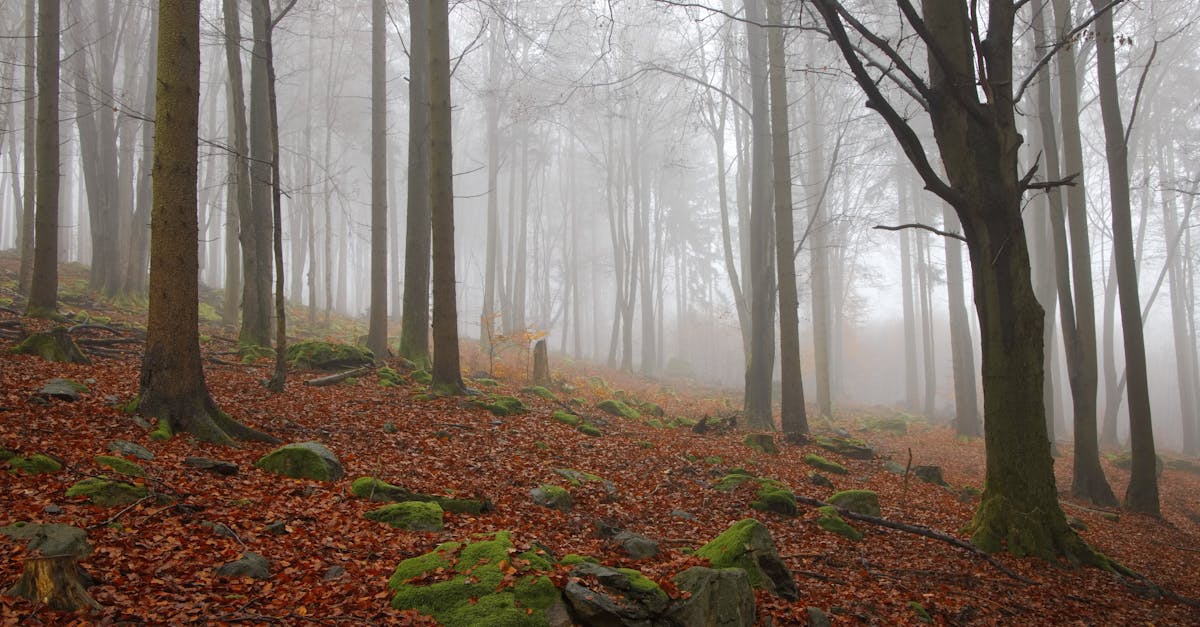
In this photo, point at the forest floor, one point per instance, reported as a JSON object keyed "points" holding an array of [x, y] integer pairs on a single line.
{"points": [[154, 563]]}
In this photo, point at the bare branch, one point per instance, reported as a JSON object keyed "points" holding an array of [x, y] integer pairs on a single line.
{"points": [[917, 225], [1066, 39], [1137, 98]]}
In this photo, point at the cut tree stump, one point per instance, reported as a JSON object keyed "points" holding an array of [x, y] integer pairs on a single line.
{"points": [[541, 363], [56, 581]]}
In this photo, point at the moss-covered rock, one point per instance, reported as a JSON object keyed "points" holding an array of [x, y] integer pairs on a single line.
{"points": [[599, 595], [832, 522], [773, 498], [481, 583], [894, 425], [120, 465], [748, 545], [36, 464], [250, 353], [62, 389], [820, 463], [486, 382], [865, 502], [422, 376], [576, 477], [565, 418], [409, 515], [761, 442], [588, 428], [650, 408], [383, 492], [502, 405], [572, 559], [318, 355], [389, 376], [846, 447], [107, 493], [552, 496], [930, 474], [540, 391], [1185, 465], [732, 480], [303, 460], [122, 447], [55, 345], [618, 408]]}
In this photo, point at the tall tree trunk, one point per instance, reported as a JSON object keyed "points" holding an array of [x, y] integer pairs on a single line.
{"points": [[279, 377], [43, 291], [139, 233], [256, 223], [762, 228], [239, 181], [29, 144], [1142, 493], [377, 326], [414, 323], [172, 386], [491, 263], [447, 377], [1177, 285], [818, 249], [793, 416], [911, 378], [966, 402]]}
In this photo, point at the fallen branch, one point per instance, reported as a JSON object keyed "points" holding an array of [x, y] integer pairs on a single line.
{"points": [[1125, 574], [920, 531], [339, 377], [115, 517]]}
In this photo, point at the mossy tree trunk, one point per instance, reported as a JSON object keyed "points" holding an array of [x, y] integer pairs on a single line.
{"points": [[969, 97], [172, 379]]}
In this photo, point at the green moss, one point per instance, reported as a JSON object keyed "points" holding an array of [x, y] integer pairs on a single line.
{"points": [[1000, 525], [589, 429], [409, 515], [642, 583], [820, 463], [540, 391], [832, 522], [732, 480], [775, 499], [894, 426], [848, 447], [572, 559], [107, 493], [162, 431], [645, 444], [389, 376], [761, 442], [376, 490], [598, 383], [565, 418], [576, 477], [315, 354], [55, 345], [299, 461], [920, 611], [132, 406], [651, 409], [208, 313], [250, 353], [656, 423], [487, 383], [441, 557], [422, 376], [682, 422], [120, 465], [552, 496], [713, 460], [6, 454], [618, 408], [542, 445], [35, 464], [731, 550], [502, 405], [865, 502], [424, 397]]}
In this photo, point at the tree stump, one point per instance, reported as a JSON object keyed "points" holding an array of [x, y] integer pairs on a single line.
{"points": [[56, 581], [54, 345], [541, 363]]}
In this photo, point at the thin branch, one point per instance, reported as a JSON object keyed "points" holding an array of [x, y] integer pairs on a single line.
{"points": [[917, 225], [1137, 98], [1066, 39]]}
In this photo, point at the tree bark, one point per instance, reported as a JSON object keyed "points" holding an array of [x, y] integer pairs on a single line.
{"points": [[43, 291], [966, 402], [414, 323], [26, 242], [377, 326], [256, 223]]}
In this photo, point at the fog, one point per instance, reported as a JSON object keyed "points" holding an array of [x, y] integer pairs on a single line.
{"points": [[622, 147]]}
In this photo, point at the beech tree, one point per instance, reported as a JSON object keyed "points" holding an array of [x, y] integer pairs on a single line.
{"points": [[377, 326], [414, 323], [172, 386], [968, 96], [43, 290]]}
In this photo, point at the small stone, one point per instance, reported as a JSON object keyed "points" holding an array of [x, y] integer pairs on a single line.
{"points": [[52, 509], [277, 528], [212, 465], [62, 389], [817, 617], [333, 572], [930, 474], [678, 513], [129, 448], [819, 479], [250, 565], [636, 545]]}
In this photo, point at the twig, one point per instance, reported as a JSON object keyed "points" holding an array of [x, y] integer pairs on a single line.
{"points": [[117, 515], [925, 227], [920, 531]]}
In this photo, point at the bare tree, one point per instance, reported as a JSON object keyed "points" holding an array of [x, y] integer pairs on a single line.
{"points": [[377, 325], [43, 290]]}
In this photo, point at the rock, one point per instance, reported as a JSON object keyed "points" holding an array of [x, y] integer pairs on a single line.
{"points": [[845, 446], [51, 539], [250, 565], [333, 572], [618, 408], [761, 442], [930, 474], [893, 467], [553, 497], [36, 464], [384, 492], [863, 502], [817, 617], [219, 529], [212, 465], [303, 460], [472, 588], [719, 598], [895, 425], [773, 497], [62, 389], [819, 479], [277, 528], [620, 596], [121, 447], [820, 463], [636, 545], [831, 521], [107, 493], [678, 513], [52, 509], [651, 409], [327, 356], [565, 417], [409, 515], [120, 465], [748, 545]]}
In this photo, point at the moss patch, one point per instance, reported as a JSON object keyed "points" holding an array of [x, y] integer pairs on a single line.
{"points": [[895, 425], [540, 391], [409, 515], [384, 492], [107, 493], [776, 499], [846, 447], [865, 502], [732, 480], [565, 418], [552, 496], [618, 408], [317, 355], [35, 464], [748, 545], [481, 583], [576, 477], [502, 405], [761, 442], [589, 429], [832, 522], [55, 345], [305, 460], [820, 463], [389, 376], [120, 465]]}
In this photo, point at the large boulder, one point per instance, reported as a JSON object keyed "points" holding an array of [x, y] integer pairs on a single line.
{"points": [[865, 502], [317, 355], [599, 595], [303, 460], [53, 345], [51, 539], [748, 545], [719, 598]]}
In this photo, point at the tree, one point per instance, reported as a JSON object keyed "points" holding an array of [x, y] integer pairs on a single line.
{"points": [[1142, 493], [968, 96], [25, 272], [966, 404], [256, 220], [792, 414], [761, 353], [377, 326], [239, 203], [414, 323], [43, 290], [447, 377], [172, 386]]}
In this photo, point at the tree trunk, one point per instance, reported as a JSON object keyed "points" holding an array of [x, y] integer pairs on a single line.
{"points": [[26, 245], [761, 362], [541, 363], [139, 233], [172, 386], [487, 317], [55, 581], [966, 402], [279, 377], [447, 378], [377, 326], [239, 180], [1177, 285], [818, 249], [911, 379], [414, 323], [793, 416], [256, 222], [1142, 493], [43, 291]]}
